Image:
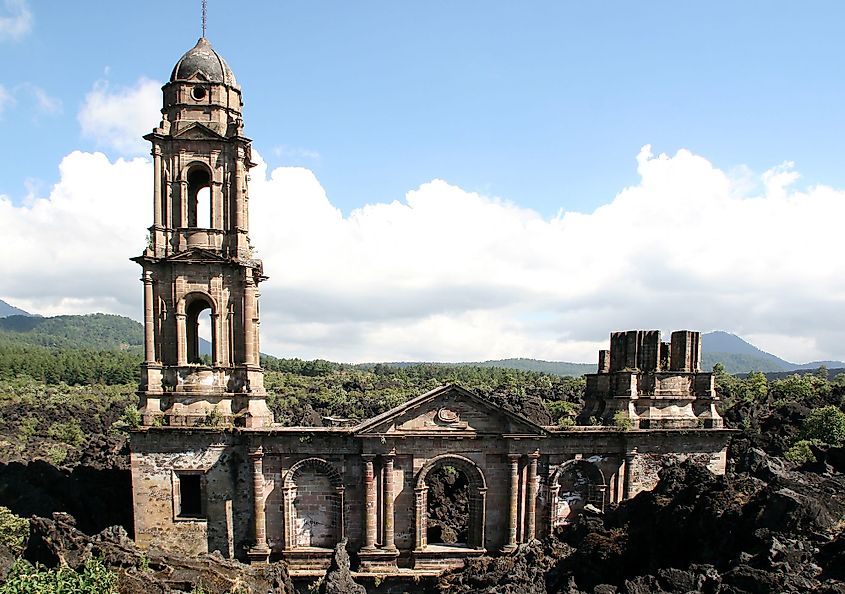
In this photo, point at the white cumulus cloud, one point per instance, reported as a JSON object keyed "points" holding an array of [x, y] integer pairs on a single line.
{"points": [[447, 274], [15, 20], [117, 118], [68, 252]]}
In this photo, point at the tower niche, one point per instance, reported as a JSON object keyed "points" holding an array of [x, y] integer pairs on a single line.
{"points": [[198, 267]]}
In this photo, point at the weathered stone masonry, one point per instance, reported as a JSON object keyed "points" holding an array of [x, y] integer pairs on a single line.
{"points": [[211, 471], [314, 486]]}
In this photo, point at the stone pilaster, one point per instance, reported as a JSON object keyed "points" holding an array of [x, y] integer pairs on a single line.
{"points": [[370, 503], [181, 341], [420, 511], [628, 485], [513, 502], [260, 553], [554, 490], [531, 497], [156, 187]]}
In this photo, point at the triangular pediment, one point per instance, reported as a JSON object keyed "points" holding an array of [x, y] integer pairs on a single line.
{"points": [[193, 254], [197, 131], [449, 410]]}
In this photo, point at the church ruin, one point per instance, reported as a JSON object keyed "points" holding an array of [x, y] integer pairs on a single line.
{"points": [[211, 471]]}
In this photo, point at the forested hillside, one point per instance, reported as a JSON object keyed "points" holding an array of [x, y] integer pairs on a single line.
{"points": [[99, 331]]}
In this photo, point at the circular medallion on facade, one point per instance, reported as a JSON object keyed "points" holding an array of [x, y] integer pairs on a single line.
{"points": [[447, 416]]}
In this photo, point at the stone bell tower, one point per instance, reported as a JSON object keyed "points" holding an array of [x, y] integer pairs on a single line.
{"points": [[199, 258]]}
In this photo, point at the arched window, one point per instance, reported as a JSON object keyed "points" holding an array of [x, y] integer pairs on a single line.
{"points": [[199, 197], [198, 321]]}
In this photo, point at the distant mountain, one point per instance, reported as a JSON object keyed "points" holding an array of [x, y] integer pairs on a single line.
{"points": [[7, 310], [739, 356], [520, 364], [551, 367], [94, 331]]}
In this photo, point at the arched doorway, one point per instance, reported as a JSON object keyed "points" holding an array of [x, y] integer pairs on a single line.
{"points": [[313, 505], [574, 485], [459, 477]]}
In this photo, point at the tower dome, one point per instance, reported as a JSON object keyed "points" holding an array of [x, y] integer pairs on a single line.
{"points": [[201, 61]]}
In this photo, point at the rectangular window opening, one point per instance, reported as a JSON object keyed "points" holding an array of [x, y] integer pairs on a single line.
{"points": [[190, 496]]}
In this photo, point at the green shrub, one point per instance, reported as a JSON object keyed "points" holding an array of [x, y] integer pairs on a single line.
{"points": [[28, 426], [94, 578], [14, 531], [56, 453], [69, 433], [562, 410], [130, 418], [825, 425], [622, 420], [800, 452]]}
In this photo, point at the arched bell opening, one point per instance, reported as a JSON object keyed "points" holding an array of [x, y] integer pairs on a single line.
{"points": [[199, 197], [198, 321]]}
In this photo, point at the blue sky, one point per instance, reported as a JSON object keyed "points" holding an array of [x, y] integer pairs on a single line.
{"points": [[543, 103], [458, 180]]}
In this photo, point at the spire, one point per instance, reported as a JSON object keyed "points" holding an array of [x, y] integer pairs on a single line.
{"points": [[204, 16]]}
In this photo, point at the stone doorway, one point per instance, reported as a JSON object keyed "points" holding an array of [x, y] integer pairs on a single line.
{"points": [[447, 506], [574, 485], [458, 480]]}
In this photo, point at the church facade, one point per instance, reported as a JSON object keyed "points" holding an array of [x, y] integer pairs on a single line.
{"points": [[211, 471]]}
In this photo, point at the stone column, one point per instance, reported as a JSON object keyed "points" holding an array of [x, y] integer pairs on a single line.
{"points": [[181, 345], [149, 319], [260, 552], [531, 496], [628, 485], [389, 541], [370, 503], [249, 319], [157, 186], [513, 504]]}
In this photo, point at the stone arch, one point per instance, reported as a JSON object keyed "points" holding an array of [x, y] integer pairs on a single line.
{"points": [[573, 485], [313, 505], [477, 498], [189, 309]]}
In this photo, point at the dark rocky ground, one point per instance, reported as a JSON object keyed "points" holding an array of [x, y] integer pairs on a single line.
{"points": [[765, 528], [769, 526]]}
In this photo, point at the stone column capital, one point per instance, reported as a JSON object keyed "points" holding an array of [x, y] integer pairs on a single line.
{"points": [[514, 457], [256, 453], [368, 457], [534, 455]]}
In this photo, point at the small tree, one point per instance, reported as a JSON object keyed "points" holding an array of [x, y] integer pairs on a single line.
{"points": [[825, 425], [14, 531]]}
